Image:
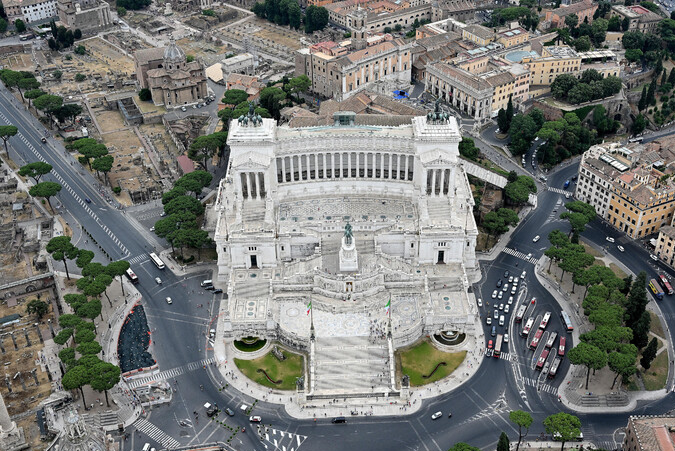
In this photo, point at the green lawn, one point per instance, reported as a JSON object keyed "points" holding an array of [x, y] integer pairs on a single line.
{"points": [[655, 377], [286, 371], [655, 326], [421, 359]]}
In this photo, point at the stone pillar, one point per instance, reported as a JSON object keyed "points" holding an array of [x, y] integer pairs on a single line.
{"points": [[349, 163], [391, 165], [442, 182], [407, 168], [433, 182], [292, 169], [283, 169], [341, 157], [323, 159], [382, 165], [6, 423], [256, 177]]}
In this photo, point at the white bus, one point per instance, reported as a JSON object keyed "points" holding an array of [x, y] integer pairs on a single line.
{"points": [[528, 327], [157, 261], [131, 276]]}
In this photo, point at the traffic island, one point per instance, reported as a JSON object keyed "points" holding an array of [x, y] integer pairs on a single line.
{"points": [[273, 372], [423, 363]]}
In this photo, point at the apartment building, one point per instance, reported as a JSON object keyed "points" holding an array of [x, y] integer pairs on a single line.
{"points": [[584, 11], [639, 17], [30, 10], [627, 187], [554, 60], [650, 433], [512, 37], [367, 61], [380, 14], [478, 34], [665, 245]]}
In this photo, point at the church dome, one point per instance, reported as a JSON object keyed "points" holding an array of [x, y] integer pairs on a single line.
{"points": [[174, 53]]}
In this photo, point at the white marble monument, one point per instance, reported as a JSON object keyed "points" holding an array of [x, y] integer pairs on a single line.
{"points": [[348, 258]]}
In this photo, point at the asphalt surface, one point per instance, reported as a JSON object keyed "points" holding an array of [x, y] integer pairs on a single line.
{"points": [[480, 407]]}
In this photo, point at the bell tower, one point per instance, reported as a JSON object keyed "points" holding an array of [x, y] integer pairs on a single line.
{"points": [[357, 19]]}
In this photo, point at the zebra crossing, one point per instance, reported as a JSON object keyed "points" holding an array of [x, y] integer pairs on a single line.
{"points": [[138, 259], [156, 434], [503, 355], [527, 257], [541, 386], [168, 374], [283, 440], [70, 190], [560, 191]]}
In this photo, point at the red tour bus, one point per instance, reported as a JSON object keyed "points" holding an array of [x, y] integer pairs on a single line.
{"points": [[542, 359], [535, 341]]}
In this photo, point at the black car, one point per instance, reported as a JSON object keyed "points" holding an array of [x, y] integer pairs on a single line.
{"points": [[218, 290], [209, 287], [499, 283], [506, 274]]}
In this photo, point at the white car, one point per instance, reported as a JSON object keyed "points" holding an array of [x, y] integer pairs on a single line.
{"points": [[480, 302], [507, 307], [168, 300], [522, 276], [510, 279], [506, 338], [496, 314], [488, 321], [510, 300], [505, 287], [494, 294], [152, 229], [610, 239], [255, 419], [437, 415], [514, 289], [500, 295], [501, 306], [620, 247], [536, 238], [158, 280], [654, 257], [516, 281]]}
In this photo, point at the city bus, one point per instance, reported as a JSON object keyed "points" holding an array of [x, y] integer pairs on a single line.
{"points": [[535, 341], [666, 284], [551, 339], [544, 321], [528, 327], [567, 323], [131, 276], [520, 313], [542, 359], [157, 261], [656, 289], [554, 368], [498, 346]]}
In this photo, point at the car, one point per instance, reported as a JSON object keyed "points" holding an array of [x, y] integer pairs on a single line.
{"points": [[501, 320], [437, 415], [506, 274], [158, 280], [489, 344], [183, 108], [211, 409], [229, 411], [610, 239], [255, 419], [533, 301], [493, 332], [529, 256], [501, 306], [152, 229], [620, 247], [654, 257], [510, 279], [43, 139], [480, 302], [168, 300], [488, 321], [500, 295], [510, 300], [514, 289], [505, 287], [162, 214], [217, 291], [506, 338], [516, 280], [494, 294], [507, 308], [210, 287], [87, 200], [496, 314], [536, 238], [194, 107], [499, 283], [522, 276]]}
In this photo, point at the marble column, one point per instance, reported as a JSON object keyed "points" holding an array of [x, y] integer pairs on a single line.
{"points": [[7, 426], [442, 182], [256, 177], [407, 167], [433, 182], [292, 169], [283, 169]]}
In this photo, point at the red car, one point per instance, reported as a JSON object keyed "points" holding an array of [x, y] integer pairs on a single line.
{"points": [[561, 347], [490, 344]]}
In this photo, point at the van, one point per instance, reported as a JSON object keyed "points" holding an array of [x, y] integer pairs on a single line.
{"points": [[338, 420], [146, 447], [207, 283]]}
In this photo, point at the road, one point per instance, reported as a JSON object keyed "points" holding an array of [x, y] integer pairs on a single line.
{"points": [[480, 408]]}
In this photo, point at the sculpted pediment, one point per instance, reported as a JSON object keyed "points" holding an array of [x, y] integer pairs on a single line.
{"points": [[435, 157], [251, 160]]}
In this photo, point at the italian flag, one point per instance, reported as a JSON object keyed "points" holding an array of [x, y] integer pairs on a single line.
{"points": [[386, 307], [309, 307]]}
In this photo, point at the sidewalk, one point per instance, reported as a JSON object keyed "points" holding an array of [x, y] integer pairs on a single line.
{"points": [[228, 373]]}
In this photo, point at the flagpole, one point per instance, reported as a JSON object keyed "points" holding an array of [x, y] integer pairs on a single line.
{"points": [[311, 321]]}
